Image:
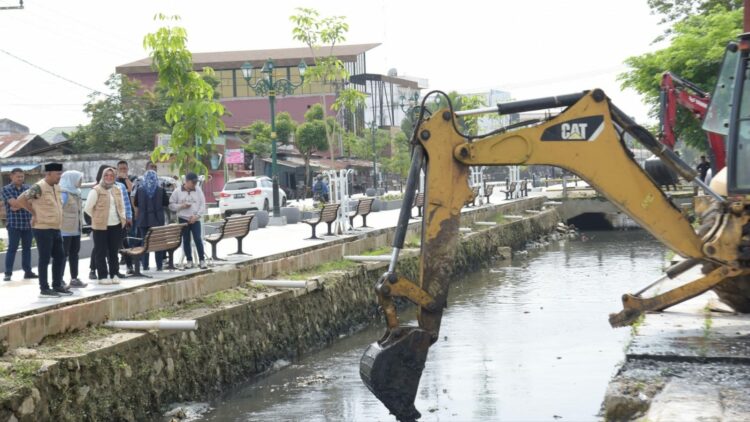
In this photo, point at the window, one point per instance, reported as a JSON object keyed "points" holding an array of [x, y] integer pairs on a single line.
{"points": [[240, 185]]}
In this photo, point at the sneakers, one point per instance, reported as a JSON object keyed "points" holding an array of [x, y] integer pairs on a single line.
{"points": [[115, 280], [49, 293], [92, 275], [203, 265], [76, 283], [105, 281], [188, 265], [62, 291], [30, 276], [7, 277], [129, 271]]}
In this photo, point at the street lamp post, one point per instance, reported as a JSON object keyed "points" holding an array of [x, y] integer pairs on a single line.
{"points": [[267, 85], [409, 104]]}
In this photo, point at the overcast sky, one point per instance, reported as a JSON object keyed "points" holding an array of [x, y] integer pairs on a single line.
{"points": [[531, 48]]}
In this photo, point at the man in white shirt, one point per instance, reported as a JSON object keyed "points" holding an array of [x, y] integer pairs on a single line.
{"points": [[190, 206]]}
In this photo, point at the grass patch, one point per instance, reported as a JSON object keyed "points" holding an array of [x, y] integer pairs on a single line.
{"points": [[385, 250], [413, 241], [636, 325], [20, 373], [499, 219], [339, 265], [223, 297]]}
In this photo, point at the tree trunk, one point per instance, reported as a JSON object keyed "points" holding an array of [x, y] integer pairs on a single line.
{"points": [[307, 171]]}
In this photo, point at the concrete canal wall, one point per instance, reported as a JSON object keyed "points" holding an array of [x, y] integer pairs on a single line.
{"points": [[244, 330]]}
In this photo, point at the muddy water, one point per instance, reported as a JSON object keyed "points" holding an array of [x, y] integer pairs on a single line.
{"points": [[524, 342]]}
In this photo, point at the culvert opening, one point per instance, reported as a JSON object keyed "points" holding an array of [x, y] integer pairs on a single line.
{"points": [[591, 221]]}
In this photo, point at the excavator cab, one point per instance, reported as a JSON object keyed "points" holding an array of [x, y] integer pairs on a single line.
{"points": [[732, 88]]}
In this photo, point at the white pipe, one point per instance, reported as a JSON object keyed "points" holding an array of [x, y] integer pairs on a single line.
{"points": [[464, 230], [308, 285], [162, 324], [485, 223]]}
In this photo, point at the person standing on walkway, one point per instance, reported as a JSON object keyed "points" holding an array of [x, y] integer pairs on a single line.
{"points": [[128, 217], [127, 181], [70, 184], [44, 201], [105, 206], [190, 205], [18, 225], [148, 204]]}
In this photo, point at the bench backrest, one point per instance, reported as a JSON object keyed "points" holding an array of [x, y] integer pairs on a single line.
{"points": [[523, 185], [330, 213], [237, 226], [488, 190], [163, 238], [512, 186], [419, 200], [364, 206]]}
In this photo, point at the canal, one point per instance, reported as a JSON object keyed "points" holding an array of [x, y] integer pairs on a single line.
{"points": [[528, 341]]}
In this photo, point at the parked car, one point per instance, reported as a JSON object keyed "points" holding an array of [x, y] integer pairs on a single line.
{"points": [[248, 193]]}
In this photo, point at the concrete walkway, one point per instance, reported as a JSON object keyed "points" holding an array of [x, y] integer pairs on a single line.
{"points": [[695, 355], [20, 297]]}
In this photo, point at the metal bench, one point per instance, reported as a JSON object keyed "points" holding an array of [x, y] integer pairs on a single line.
{"points": [[474, 193], [327, 215], [488, 192], [419, 203], [510, 190], [157, 239], [232, 227], [364, 208]]}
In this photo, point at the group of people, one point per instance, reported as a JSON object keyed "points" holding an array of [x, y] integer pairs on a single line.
{"points": [[122, 209]]}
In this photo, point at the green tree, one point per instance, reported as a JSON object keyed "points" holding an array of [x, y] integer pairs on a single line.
{"points": [[320, 35], [672, 11], [310, 137], [121, 121], [194, 114], [697, 46], [466, 124], [285, 127], [400, 160], [257, 138]]}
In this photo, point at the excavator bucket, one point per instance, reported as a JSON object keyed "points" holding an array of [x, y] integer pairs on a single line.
{"points": [[391, 369]]}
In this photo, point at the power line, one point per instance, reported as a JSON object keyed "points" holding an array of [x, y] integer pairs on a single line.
{"points": [[96, 91]]}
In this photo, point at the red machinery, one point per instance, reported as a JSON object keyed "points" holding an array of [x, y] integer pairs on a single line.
{"points": [[677, 91]]}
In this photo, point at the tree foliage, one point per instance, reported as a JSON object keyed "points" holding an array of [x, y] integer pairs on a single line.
{"points": [[310, 136], [672, 11], [257, 138], [193, 114], [467, 124], [124, 120], [321, 35], [695, 53]]}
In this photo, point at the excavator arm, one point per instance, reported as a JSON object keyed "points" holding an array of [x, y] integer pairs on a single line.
{"points": [[587, 139]]}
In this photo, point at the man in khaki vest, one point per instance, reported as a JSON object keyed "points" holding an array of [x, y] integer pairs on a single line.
{"points": [[44, 201]]}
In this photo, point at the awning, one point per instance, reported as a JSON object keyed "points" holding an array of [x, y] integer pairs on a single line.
{"points": [[24, 167]]}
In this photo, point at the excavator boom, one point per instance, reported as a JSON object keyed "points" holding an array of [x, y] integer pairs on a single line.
{"points": [[587, 138]]}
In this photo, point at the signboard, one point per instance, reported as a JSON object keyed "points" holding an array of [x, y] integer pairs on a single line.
{"points": [[235, 156]]}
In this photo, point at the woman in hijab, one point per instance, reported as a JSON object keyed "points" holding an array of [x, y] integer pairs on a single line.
{"points": [[149, 211], [107, 210], [70, 184]]}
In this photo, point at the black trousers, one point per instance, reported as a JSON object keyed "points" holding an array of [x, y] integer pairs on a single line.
{"points": [[50, 247], [106, 245], [72, 245]]}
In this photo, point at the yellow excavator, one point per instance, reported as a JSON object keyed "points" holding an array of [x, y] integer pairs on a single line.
{"points": [[586, 138]]}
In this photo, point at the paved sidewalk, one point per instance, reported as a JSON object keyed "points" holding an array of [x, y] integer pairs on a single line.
{"points": [[22, 296]]}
